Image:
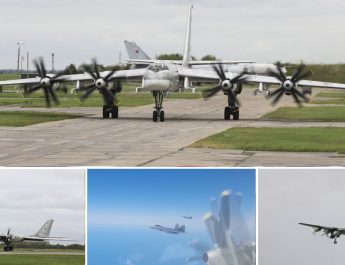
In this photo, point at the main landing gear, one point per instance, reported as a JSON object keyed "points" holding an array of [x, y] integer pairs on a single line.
{"points": [[158, 113], [8, 248], [110, 109], [231, 109]]}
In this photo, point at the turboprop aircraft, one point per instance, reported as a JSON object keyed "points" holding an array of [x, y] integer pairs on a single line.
{"points": [[229, 234], [330, 232], [176, 230], [41, 236], [162, 77]]}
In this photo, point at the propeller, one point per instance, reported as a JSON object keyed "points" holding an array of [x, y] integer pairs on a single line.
{"points": [[288, 84], [99, 83], [46, 83], [225, 84]]}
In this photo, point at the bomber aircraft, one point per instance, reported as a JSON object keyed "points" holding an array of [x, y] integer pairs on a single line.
{"points": [[330, 232], [176, 230], [162, 77], [41, 236]]}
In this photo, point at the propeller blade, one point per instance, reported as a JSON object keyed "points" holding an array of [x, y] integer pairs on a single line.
{"points": [[86, 87], [8, 231], [297, 72], [237, 78], [46, 96], [217, 68], [300, 94], [88, 69], [281, 72], [95, 66], [61, 73], [207, 93], [32, 89], [276, 92], [276, 75], [109, 75], [293, 93], [108, 96], [54, 97], [43, 68], [38, 69], [88, 92], [281, 93], [304, 75]]}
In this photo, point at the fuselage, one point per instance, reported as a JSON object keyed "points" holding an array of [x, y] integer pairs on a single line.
{"points": [[164, 229], [161, 76]]}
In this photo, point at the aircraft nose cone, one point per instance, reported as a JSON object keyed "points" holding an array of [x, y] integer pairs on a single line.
{"points": [[205, 257]]}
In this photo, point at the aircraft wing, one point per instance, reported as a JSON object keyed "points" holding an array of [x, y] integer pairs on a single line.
{"points": [[36, 238], [217, 62], [205, 75], [324, 227], [34, 80]]}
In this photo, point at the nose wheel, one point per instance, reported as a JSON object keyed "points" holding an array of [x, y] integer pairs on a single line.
{"points": [[8, 248], [231, 109], [158, 113], [110, 110]]}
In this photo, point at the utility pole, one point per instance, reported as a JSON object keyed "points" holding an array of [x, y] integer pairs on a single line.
{"points": [[18, 58], [27, 64], [53, 62], [120, 55]]}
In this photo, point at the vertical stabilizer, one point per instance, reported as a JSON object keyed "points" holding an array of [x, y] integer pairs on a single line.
{"points": [[45, 229], [135, 52], [187, 44]]}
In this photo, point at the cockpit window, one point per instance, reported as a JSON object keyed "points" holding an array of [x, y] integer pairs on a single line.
{"points": [[158, 66]]}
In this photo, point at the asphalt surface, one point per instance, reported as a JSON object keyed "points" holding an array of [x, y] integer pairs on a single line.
{"points": [[134, 140], [43, 253]]}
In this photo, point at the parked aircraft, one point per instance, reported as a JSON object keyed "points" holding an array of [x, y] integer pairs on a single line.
{"points": [[176, 230], [229, 234], [41, 236], [330, 232], [162, 77]]}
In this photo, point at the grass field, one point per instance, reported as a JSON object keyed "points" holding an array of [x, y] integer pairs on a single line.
{"points": [[21, 118], [307, 114], [42, 260], [330, 95], [278, 139]]}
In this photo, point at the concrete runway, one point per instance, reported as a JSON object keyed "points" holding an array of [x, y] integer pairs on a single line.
{"points": [[134, 140]]}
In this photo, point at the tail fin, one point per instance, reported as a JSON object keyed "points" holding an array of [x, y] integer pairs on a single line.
{"points": [[187, 44], [135, 52], [182, 228], [45, 229]]}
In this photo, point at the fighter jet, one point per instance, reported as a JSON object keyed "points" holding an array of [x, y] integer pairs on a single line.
{"points": [[187, 217], [330, 232], [41, 236], [176, 230]]}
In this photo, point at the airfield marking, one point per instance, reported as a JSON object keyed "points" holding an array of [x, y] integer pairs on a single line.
{"points": [[134, 140]]}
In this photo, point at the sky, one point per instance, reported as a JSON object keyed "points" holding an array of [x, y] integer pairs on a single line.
{"points": [[262, 30], [124, 203], [289, 196], [29, 197]]}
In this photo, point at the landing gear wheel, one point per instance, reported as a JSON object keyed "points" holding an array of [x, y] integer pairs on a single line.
{"points": [[6, 248], [161, 117], [106, 112], [115, 112], [154, 116], [227, 113], [10, 248], [236, 113]]}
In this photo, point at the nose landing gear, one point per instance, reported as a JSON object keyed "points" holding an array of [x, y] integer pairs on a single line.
{"points": [[231, 109], [110, 109], [158, 113]]}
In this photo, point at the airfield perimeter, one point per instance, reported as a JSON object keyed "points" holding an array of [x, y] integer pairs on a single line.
{"points": [[134, 140]]}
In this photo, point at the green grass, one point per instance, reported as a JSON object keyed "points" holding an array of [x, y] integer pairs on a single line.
{"points": [[278, 139], [42, 259], [21, 118], [335, 101], [307, 114], [330, 95]]}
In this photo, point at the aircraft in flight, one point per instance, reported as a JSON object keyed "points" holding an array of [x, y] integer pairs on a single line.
{"points": [[176, 230], [187, 217], [228, 232], [162, 77], [330, 232], [41, 236]]}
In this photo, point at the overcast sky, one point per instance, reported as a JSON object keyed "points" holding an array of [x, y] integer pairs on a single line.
{"points": [[287, 197], [29, 197], [261, 30]]}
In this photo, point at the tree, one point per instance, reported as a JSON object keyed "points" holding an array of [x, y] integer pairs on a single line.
{"points": [[171, 56], [209, 57]]}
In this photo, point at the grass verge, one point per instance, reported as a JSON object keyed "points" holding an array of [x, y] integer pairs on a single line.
{"points": [[42, 259], [277, 139], [21, 118], [307, 114]]}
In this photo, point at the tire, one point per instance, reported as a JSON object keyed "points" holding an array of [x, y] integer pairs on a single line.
{"points": [[106, 113], [154, 116], [161, 117], [10, 248], [227, 113], [236, 114], [5, 249], [115, 112]]}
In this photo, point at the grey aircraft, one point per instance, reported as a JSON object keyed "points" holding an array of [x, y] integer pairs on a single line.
{"points": [[176, 230], [330, 232], [162, 77], [187, 217], [41, 236]]}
